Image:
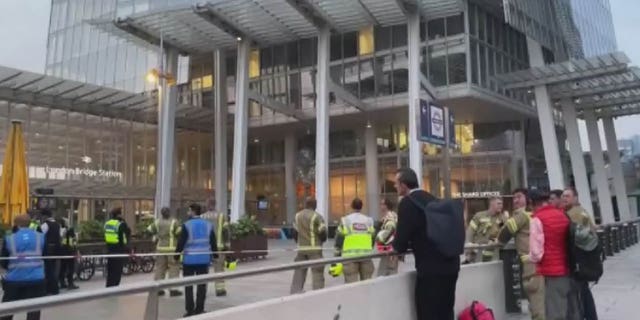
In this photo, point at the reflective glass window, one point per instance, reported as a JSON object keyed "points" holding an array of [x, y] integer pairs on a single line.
{"points": [[336, 47], [382, 37], [457, 68], [279, 58], [351, 43], [455, 25], [308, 52], [266, 61], [436, 28], [438, 68], [399, 35], [481, 25], [473, 28], [382, 73], [474, 61], [293, 55], [294, 90], [308, 90], [367, 82]]}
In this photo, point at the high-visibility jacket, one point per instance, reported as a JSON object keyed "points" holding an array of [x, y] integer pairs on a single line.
{"points": [[197, 245], [310, 226], [34, 224], [357, 230], [25, 243], [221, 225], [67, 239], [166, 232], [111, 230]]}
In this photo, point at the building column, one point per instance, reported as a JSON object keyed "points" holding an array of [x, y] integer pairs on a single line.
{"points": [[167, 101], [415, 146], [220, 130], [372, 174], [322, 123], [547, 123], [616, 169], [523, 154], [600, 173], [577, 155], [290, 175], [240, 127]]}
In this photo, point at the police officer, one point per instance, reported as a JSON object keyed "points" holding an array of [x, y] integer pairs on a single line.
{"points": [[51, 230], [116, 237], [310, 233], [25, 277], [197, 240], [166, 230], [69, 248], [484, 228], [518, 227], [355, 238], [221, 223], [388, 265]]}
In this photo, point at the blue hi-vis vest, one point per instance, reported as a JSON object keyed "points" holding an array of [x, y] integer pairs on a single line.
{"points": [[25, 243], [198, 231]]}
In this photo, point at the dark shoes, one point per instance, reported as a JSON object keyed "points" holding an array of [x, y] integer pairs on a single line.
{"points": [[221, 293], [73, 287], [175, 293], [63, 285], [194, 313]]}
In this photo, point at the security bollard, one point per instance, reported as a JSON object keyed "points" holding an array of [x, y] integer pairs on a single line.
{"points": [[607, 241], [622, 239], [615, 239], [634, 232], [512, 272], [602, 239]]}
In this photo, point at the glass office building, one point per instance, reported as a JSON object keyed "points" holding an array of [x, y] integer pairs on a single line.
{"points": [[595, 22], [462, 50]]}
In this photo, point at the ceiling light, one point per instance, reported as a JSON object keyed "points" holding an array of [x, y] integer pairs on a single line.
{"points": [[86, 159], [369, 125], [256, 140], [239, 38]]}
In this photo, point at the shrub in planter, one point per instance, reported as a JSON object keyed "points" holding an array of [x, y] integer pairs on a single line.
{"points": [[90, 230], [247, 234], [141, 228]]}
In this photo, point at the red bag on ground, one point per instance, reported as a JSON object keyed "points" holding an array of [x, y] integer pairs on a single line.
{"points": [[477, 311]]}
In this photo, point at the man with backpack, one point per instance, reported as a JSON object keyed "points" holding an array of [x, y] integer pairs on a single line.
{"points": [[581, 219], [437, 265]]}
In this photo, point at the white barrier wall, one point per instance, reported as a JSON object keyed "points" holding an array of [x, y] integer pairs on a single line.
{"points": [[382, 298]]}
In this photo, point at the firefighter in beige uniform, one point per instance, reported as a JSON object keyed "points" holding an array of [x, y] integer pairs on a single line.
{"points": [[166, 230], [388, 265], [517, 227], [484, 229], [223, 239], [310, 233]]}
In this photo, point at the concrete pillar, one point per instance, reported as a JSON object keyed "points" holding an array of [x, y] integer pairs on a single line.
{"points": [[616, 169], [220, 130], [290, 175], [322, 123], [523, 154], [372, 174], [600, 173], [240, 127], [577, 156], [167, 101], [415, 146], [547, 124]]}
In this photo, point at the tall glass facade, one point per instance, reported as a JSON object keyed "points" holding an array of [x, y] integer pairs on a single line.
{"points": [[595, 22]]}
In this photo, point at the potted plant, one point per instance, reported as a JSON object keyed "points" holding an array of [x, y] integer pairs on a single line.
{"points": [[248, 235]]}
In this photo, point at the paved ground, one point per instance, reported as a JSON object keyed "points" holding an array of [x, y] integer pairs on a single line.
{"points": [[616, 294]]}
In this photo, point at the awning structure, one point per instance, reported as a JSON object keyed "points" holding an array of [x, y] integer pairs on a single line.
{"points": [[606, 84]]}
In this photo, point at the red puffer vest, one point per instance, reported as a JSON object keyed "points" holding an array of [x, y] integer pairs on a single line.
{"points": [[555, 226]]}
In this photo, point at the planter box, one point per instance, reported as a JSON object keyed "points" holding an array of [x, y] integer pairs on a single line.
{"points": [[249, 243]]}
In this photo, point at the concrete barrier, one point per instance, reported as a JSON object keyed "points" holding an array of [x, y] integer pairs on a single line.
{"points": [[382, 298]]}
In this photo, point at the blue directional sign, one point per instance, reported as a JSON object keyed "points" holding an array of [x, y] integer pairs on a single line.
{"points": [[432, 123]]}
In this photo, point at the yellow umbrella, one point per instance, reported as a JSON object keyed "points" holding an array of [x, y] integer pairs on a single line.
{"points": [[14, 185]]}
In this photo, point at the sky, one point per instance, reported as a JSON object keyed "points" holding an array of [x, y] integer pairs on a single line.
{"points": [[24, 24]]}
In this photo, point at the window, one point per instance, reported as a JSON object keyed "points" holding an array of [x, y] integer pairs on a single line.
{"points": [[350, 44], [438, 68], [307, 88], [399, 36], [308, 52], [481, 25], [382, 78], [279, 58], [294, 90], [483, 65], [254, 63], [457, 68], [336, 47], [473, 28], [474, 62], [292, 55], [266, 61], [455, 25], [382, 37], [436, 29], [365, 42]]}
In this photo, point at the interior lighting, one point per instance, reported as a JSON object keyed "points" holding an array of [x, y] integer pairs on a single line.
{"points": [[153, 75]]}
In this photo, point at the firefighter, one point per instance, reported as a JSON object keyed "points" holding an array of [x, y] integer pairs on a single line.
{"points": [[166, 230], [484, 228], [388, 265], [223, 239], [310, 232]]}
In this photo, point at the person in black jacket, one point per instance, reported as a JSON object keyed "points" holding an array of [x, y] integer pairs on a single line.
{"points": [[437, 275], [51, 230], [116, 245]]}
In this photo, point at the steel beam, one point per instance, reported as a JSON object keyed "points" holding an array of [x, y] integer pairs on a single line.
{"points": [[275, 105]]}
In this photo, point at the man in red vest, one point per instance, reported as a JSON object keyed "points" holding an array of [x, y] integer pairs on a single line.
{"points": [[548, 249]]}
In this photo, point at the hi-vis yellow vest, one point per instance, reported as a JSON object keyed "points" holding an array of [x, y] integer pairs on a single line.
{"points": [[358, 231]]}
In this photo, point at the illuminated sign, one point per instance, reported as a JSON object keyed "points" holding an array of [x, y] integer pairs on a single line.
{"points": [[84, 172], [477, 194]]}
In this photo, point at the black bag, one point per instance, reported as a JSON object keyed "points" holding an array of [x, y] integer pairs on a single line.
{"points": [[585, 253], [445, 225]]}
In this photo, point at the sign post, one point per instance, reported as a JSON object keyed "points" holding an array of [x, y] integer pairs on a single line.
{"points": [[437, 126]]}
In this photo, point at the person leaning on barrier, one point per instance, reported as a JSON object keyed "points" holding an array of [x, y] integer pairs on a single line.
{"points": [[579, 215], [484, 228], [166, 229], [25, 277], [116, 237], [309, 233], [197, 241], [517, 227], [355, 236], [388, 265], [221, 223], [51, 230], [69, 248]]}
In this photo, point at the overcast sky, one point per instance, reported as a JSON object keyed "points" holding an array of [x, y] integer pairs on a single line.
{"points": [[24, 24]]}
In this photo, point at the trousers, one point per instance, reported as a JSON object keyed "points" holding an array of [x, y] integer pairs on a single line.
{"points": [[560, 301], [51, 273], [67, 269], [195, 307], [166, 265], [300, 275], [534, 288], [218, 266], [589, 311], [387, 266], [435, 296], [358, 271], [14, 291]]}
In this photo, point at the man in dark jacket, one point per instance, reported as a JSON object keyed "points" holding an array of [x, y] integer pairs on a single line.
{"points": [[117, 235], [436, 274], [51, 230]]}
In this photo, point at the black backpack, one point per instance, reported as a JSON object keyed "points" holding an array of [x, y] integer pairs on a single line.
{"points": [[584, 252], [445, 225]]}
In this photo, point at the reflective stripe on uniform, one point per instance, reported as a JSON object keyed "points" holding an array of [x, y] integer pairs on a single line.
{"points": [[111, 229], [512, 225], [312, 238], [473, 225], [172, 236]]}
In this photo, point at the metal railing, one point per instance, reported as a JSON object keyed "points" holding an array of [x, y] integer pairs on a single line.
{"points": [[153, 287]]}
